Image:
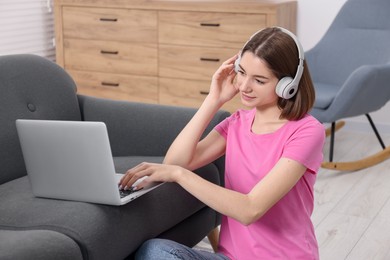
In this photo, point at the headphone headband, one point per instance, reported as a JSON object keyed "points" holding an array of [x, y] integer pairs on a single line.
{"points": [[297, 43], [301, 56]]}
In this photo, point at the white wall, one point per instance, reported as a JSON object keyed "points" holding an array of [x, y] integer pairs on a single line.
{"points": [[27, 26], [314, 18]]}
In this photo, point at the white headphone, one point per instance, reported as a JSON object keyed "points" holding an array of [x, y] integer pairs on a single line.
{"points": [[287, 87]]}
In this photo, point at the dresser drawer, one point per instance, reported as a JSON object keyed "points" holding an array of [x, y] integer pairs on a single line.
{"points": [[190, 93], [110, 24], [187, 62], [208, 29], [116, 86], [114, 57]]}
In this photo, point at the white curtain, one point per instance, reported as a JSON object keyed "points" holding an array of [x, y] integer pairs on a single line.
{"points": [[27, 26]]}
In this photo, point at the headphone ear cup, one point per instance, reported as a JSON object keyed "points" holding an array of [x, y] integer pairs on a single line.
{"points": [[237, 64], [285, 89]]}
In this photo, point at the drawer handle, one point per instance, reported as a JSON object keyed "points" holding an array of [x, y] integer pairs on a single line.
{"points": [[109, 19], [109, 84], [210, 24], [209, 59], [109, 52], [204, 92]]}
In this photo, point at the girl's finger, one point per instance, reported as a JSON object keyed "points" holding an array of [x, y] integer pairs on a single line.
{"points": [[132, 175], [231, 59]]}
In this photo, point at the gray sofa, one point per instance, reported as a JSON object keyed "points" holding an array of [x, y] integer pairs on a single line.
{"points": [[36, 228]]}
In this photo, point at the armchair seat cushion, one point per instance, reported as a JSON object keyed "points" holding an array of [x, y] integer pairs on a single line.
{"points": [[101, 231], [325, 93]]}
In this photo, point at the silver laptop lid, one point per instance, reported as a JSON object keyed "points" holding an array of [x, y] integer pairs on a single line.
{"points": [[69, 160]]}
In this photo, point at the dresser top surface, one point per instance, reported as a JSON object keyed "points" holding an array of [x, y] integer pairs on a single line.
{"points": [[253, 6]]}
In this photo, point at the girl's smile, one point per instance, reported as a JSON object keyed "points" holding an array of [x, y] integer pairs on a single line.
{"points": [[246, 97]]}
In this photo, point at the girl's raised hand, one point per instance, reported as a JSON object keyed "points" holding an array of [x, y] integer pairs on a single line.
{"points": [[223, 87]]}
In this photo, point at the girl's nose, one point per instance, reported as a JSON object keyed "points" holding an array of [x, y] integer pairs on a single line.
{"points": [[244, 85]]}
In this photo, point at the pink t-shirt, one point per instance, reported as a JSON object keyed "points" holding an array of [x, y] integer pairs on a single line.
{"points": [[286, 230]]}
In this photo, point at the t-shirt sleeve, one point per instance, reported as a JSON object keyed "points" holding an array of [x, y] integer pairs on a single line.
{"points": [[306, 145], [223, 127]]}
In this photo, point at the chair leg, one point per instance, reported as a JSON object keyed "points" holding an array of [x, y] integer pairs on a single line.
{"points": [[359, 164], [362, 163], [332, 134], [339, 125], [213, 237], [376, 131]]}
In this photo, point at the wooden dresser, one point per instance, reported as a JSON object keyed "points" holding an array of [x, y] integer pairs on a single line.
{"points": [[157, 51]]}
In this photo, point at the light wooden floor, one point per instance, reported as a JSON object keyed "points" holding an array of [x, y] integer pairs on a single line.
{"points": [[352, 209]]}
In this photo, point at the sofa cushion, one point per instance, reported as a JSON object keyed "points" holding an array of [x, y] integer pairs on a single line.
{"points": [[37, 244], [35, 88], [101, 231]]}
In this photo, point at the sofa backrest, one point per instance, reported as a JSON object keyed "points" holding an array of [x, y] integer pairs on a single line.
{"points": [[31, 87]]}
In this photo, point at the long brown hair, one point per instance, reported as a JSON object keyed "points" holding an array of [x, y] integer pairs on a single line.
{"points": [[280, 53]]}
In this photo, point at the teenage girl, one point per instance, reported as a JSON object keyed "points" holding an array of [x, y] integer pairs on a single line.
{"points": [[273, 152]]}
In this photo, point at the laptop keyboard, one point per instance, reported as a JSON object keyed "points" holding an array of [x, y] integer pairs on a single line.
{"points": [[125, 193]]}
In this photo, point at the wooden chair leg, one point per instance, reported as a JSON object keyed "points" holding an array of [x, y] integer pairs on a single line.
{"points": [[359, 164], [213, 237]]}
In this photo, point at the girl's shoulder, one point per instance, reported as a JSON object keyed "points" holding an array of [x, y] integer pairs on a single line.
{"points": [[242, 114], [307, 124], [307, 120]]}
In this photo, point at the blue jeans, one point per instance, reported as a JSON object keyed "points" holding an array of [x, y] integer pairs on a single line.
{"points": [[163, 249]]}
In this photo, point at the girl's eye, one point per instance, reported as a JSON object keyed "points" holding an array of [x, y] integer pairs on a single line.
{"points": [[259, 82], [241, 72]]}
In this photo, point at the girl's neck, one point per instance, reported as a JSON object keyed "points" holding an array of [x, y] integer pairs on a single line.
{"points": [[267, 120]]}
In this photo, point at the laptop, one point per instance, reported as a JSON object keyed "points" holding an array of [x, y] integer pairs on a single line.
{"points": [[72, 160]]}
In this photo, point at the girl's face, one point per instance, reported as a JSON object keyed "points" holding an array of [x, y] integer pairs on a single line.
{"points": [[256, 82]]}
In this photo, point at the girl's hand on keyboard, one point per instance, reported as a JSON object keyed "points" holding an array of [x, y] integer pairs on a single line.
{"points": [[155, 173]]}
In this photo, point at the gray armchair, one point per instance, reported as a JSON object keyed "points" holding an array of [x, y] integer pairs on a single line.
{"points": [[36, 228], [350, 67]]}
